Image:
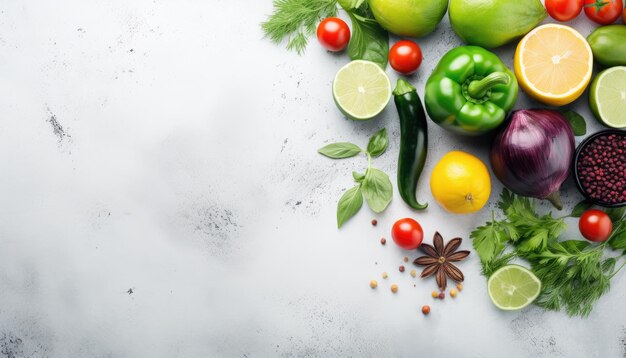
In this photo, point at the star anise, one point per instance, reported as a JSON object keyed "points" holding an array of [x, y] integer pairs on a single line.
{"points": [[438, 260]]}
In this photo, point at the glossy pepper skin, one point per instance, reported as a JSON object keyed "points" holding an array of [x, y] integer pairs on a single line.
{"points": [[413, 142], [470, 91]]}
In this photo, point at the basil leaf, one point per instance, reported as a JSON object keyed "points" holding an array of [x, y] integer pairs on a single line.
{"points": [[377, 189], [369, 40], [358, 177], [580, 208], [579, 126], [349, 5], [378, 143], [616, 214], [340, 150], [349, 204]]}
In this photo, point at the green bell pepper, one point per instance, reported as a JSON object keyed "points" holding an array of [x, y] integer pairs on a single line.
{"points": [[470, 91]]}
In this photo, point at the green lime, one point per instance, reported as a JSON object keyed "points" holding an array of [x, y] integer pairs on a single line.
{"points": [[607, 97], [361, 90], [493, 23], [513, 287], [414, 18]]}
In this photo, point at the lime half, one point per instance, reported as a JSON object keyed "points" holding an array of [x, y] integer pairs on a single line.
{"points": [[607, 97], [361, 90], [513, 287]]}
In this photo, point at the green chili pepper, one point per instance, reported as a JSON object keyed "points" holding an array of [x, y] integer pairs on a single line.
{"points": [[413, 142], [470, 91]]}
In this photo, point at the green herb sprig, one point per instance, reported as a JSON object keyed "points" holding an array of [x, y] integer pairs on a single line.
{"points": [[374, 184], [574, 273], [296, 20]]}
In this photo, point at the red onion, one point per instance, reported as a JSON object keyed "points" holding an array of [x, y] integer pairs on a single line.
{"points": [[532, 155]]}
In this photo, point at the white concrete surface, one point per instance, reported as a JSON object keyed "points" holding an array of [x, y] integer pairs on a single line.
{"points": [[165, 147]]}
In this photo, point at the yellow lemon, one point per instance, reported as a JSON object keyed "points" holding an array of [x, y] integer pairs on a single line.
{"points": [[460, 183], [553, 64]]}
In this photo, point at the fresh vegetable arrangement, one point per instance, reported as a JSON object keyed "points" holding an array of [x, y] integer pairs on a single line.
{"points": [[523, 250]]}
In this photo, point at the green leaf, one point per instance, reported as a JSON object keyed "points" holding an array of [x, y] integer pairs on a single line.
{"points": [[378, 143], [616, 214], [488, 241], [580, 208], [369, 40], [340, 150], [349, 204], [377, 189], [350, 5], [617, 241], [579, 126], [358, 177]]}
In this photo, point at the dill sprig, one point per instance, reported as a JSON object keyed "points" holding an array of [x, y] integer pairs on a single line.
{"points": [[574, 274], [296, 20]]}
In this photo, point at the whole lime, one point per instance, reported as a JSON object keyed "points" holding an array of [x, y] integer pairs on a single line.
{"points": [[414, 18], [493, 23]]}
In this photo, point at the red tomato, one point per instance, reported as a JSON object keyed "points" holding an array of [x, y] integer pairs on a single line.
{"points": [[564, 10], [405, 57], [407, 233], [333, 33], [595, 225], [604, 12]]}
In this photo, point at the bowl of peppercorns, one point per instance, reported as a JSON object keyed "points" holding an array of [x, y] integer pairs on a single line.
{"points": [[600, 168]]}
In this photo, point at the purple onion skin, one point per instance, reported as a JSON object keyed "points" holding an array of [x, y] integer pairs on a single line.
{"points": [[532, 155]]}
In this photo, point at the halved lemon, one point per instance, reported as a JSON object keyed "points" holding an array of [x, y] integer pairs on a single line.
{"points": [[553, 64]]}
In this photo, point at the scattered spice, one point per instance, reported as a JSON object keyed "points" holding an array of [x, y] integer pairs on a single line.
{"points": [[413, 273], [435, 294], [401, 268], [453, 293], [405, 259], [373, 283], [425, 309], [374, 222], [439, 258], [394, 288], [442, 295], [385, 275], [459, 286], [601, 168], [383, 241]]}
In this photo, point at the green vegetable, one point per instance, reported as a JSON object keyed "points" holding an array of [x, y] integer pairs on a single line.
{"points": [[470, 91], [369, 41], [493, 23], [374, 185], [574, 273], [608, 44], [576, 121], [296, 21], [413, 142]]}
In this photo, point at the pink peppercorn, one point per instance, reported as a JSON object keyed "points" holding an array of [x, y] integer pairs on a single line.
{"points": [[601, 168]]}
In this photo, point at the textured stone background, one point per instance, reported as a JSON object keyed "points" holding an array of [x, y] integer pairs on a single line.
{"points": [[162, 197]]}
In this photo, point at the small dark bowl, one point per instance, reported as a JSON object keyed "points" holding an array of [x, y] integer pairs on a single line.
{"points": [[579, 185]]}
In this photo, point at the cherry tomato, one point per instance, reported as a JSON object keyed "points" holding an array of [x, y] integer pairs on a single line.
{"points": [[604, 12], [405, 57], [564, 10], [333, 33], [407, 233], [595, 225]]}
